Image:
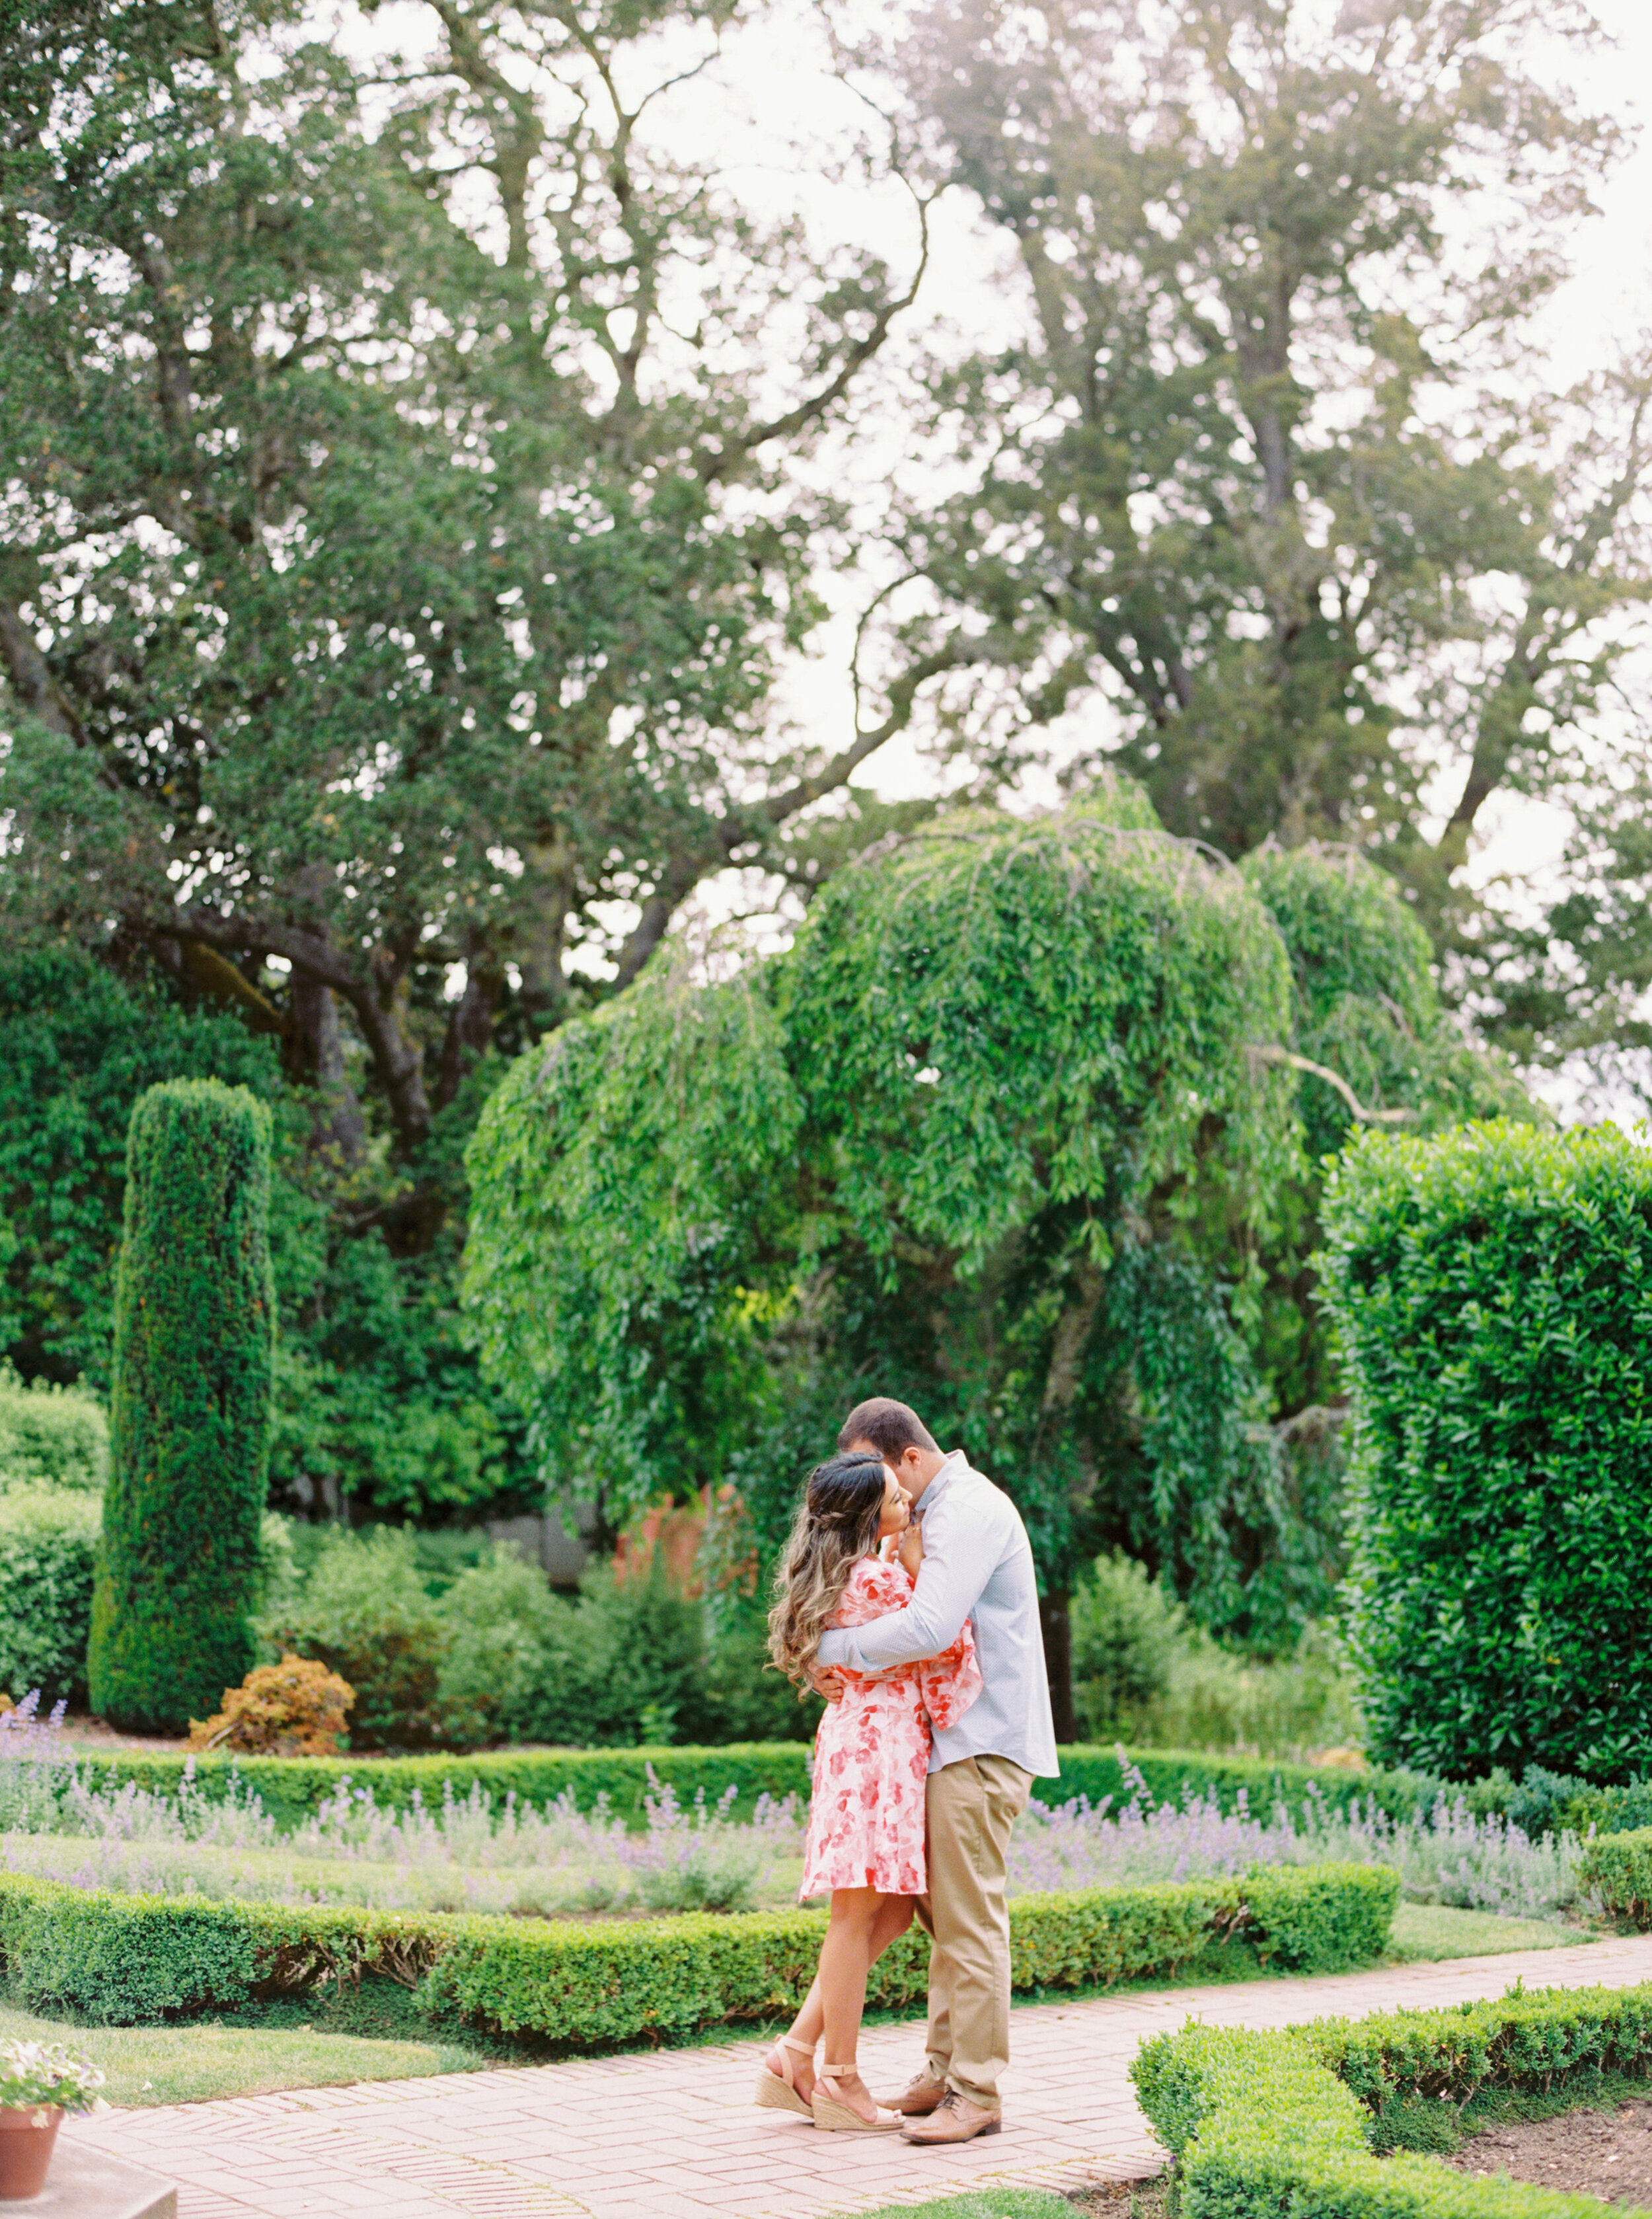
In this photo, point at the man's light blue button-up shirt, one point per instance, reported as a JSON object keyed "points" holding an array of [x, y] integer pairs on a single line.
{"points": [[978, 1563]]}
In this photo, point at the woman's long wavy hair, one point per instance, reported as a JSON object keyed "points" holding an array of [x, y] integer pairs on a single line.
{"points": [[842, 1509]]}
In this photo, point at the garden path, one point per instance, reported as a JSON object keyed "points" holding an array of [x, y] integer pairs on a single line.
{"points": [[671, 2135]]}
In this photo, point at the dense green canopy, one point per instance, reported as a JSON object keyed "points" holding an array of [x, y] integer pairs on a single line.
{"points": [[990, 1135]]}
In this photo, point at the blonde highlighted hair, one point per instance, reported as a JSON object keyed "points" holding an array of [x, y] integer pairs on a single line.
{"points": [[837, 1524]]}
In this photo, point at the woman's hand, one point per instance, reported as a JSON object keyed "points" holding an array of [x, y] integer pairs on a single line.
{"points": [[910, 1548]]}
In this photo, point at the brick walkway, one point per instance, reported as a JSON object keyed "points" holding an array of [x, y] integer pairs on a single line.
{"points": [[673, 2135]]}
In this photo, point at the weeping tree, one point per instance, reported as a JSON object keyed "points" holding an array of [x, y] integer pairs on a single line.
{"points": [[962, 1142], [1014, 1130]]}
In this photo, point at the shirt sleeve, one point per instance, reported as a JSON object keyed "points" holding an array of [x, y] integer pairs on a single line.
{"points": [[949, 1584]]}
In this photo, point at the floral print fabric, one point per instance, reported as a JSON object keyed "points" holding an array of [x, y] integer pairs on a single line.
{"points": [[872, 1753]]}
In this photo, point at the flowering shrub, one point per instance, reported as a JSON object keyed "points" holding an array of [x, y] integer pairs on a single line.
{"points": [[33, 2073], [295, 1708]]}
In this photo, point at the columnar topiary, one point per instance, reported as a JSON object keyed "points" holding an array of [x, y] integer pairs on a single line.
{"points": [[1492, 1291], [190, 1420]]}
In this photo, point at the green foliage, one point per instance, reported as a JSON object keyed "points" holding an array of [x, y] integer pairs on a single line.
{"points": [[48, 1550], [1269, 546], [1616, 1869], [1143, 1672], [1510, 2041], [1623, 1810], [1490, 1292], [365, 1613], [502, 1622], [611, 1983], [946, 1111], [1259, 2123], [451, 1641], [121, 1960], [1367, 1003], [1185, 2081], [78, 1047], [1322, 1918], [177, 1579], [453, 659], [376, 1401], [990, 1135], [50, 1436], [623, 1664], [1366, 1006]]}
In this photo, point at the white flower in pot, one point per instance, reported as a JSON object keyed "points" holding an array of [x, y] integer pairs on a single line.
{"points": [[39, 2082]]}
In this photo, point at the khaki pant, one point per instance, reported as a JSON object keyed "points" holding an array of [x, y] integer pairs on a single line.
{"points": [[972, 1806]]}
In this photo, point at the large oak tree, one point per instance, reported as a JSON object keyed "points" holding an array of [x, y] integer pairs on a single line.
{"points": [[1263, 462], [401, 520]]}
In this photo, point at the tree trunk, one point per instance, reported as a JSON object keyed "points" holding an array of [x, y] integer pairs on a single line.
{"points": [[470, 1024], [317, 1057], [1055, 1616], [1068, 1348]]}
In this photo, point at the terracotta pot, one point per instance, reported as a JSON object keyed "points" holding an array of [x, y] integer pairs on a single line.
{"points": [[26, 2140]]}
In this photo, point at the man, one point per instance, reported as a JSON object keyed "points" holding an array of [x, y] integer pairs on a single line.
{"points": [[978, 1563]]}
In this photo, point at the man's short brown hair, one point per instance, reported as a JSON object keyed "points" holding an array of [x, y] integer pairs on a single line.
{"points": [[891, 1427]]}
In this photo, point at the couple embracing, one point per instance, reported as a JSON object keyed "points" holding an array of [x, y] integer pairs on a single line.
{"points": [[907, 1597]]}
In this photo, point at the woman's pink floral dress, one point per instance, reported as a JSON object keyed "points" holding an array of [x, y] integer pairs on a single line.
{"points": [[872, 1753]]}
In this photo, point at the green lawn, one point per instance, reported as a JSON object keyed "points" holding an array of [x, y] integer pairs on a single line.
{"points": [[190, 2064], [1424, 1933]]}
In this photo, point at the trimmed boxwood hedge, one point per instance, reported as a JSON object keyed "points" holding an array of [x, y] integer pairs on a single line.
{"points": [[132, 1960], [293, 1788], [1260, 2123], [1517, 2040]]}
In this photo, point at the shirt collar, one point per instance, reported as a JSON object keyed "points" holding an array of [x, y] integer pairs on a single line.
{"points": [[954, 1463]]}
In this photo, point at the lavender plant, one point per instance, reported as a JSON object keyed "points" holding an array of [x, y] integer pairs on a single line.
{"points": [[1448, 1857], [469, 1853], [478, 1852]]}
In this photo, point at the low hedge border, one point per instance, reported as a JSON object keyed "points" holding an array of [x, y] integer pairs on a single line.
{"points": [[132, 1960], [292, 1788], [1260, 2123], [1512, 2042], [1616, 1869]]}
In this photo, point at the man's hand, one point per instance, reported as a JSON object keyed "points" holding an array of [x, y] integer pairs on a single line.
{"points": [[830, 1683], [910, 1549]]}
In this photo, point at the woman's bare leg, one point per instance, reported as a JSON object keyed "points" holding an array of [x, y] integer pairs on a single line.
{"points": [[895, 1914], [845, 1955]]}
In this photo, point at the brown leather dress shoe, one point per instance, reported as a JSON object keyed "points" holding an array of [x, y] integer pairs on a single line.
{"points": [[954, 2119], [918, 2098]]}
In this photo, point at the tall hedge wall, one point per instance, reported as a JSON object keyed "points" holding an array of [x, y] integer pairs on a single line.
{"points": [[1492, 1292], [189, 1427]]}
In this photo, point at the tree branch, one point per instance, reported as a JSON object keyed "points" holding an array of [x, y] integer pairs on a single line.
{"points": [[1266, 1053], [32, 679]]}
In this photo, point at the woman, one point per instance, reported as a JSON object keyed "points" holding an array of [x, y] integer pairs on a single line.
{"points": [[852, 1556]]}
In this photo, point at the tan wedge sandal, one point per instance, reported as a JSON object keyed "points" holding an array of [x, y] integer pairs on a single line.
{"points": [[836, 2116], [779, 2091]]}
